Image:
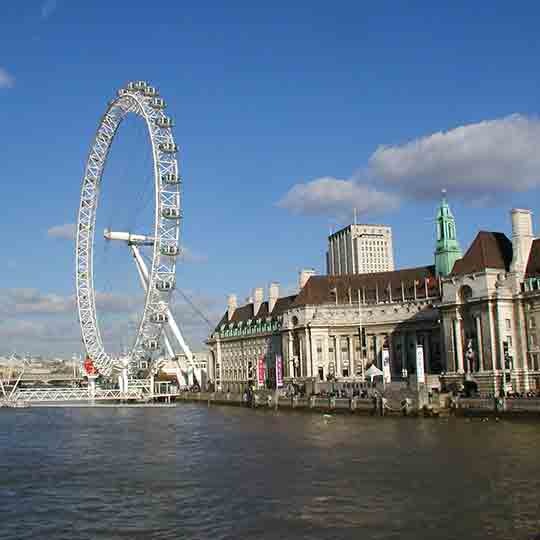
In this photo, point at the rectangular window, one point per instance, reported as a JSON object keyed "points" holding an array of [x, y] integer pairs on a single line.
{"points": [[508, 324], [509, 340], [532, 322], [319, 351]]}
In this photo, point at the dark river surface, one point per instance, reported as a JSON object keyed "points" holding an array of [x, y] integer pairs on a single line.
{"points": [[225, 472]]}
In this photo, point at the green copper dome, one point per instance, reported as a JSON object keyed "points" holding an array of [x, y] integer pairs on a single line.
{"points": [[447, 250]]}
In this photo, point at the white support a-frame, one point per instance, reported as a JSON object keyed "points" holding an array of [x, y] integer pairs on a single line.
{"points": [[184, 374]]}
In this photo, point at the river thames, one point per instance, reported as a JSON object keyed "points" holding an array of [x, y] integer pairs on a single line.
{"points": [[232, 473]]}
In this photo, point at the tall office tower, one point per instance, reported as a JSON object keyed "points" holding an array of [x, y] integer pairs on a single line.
{"points": [[360, 249]]}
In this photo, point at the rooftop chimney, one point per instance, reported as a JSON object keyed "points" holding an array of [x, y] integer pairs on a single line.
{"points": [[258, 297], [304, 276], [232, 304], [522, 237], [273, 295]]}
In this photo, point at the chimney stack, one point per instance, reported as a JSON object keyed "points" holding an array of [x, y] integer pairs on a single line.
{"points": [[232, 304], [305, 274], [258, 297], [273, 295], [522, 237]]}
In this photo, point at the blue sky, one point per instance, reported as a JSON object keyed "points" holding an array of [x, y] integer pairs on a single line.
{"points": [[287, 116]]}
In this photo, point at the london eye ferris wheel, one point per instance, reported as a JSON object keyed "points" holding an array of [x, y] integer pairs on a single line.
{"points": [[156, 325]]}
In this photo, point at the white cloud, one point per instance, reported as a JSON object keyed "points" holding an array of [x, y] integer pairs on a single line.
{"points": [[33, 301], [188, 256], [332, 196], [6, 79], [118, 303], [471, 161], [46, 323], [66, 231], [48, 8]]}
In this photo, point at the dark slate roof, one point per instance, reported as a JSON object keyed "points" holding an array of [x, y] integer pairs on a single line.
{"points": [[533, 264], [488, 250], [245, 312], [322, 289]]}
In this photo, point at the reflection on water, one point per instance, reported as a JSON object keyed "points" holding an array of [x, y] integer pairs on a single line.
{"points": [[216, 473]]}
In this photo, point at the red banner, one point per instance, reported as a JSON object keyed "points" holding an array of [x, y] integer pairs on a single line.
{"points": [[261, 371], [279, 371]]}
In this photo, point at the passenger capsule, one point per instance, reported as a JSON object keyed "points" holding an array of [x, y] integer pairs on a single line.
{"points": [[168, 147], [150, 91], [170, 178], [122, 92], [157, 103], [132, 86], [159, 318], [170, 212], [164, 122], [170, 250], [140, 85], [151, 344], [162, 285]]}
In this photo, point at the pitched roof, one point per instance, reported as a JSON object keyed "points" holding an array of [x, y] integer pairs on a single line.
{"points": [[323, 289], [533, 264], [488, 250], [245, 312]]}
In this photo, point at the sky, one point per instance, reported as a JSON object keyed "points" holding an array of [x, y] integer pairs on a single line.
{"points": [[288, 116]]}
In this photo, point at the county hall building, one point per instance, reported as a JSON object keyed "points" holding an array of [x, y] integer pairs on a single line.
{"points": [[474, 316]]}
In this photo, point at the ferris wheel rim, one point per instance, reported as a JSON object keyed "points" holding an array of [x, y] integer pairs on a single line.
{"points": [[141, 99]]}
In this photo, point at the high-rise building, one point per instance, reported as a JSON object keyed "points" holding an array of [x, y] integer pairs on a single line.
{"points": [[360, 249]]}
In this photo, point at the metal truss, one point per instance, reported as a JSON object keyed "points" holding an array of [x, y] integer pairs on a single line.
{"points": [[141, 99], [139, 389]]}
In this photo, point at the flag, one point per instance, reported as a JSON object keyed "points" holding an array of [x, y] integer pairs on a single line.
{"points": [[279, 371]]}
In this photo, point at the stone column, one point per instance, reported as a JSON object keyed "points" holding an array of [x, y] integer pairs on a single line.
{"points": [[458, 344], [403, 343], [378, 349], [492, 338], [301, 370], [427, 352], [521, 349], [326, 361], [290, 354], [219, 371], [480, 343], [414, 345], [337, 352], [308, 354], [350, 342]]}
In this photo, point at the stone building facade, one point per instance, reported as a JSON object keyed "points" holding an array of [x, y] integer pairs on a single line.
{"points": [[477, 322]]}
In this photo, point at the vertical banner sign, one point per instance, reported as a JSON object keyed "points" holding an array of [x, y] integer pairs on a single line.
{"points": [[279, 371], [261, 371], [386, 365], [420, 377]]}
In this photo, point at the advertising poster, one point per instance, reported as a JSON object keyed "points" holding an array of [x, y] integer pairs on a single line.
{"points": [[420, 376], [261, 371], [279, 371]]}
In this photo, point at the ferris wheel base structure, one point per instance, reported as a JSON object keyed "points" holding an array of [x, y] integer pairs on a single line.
{"points": [[157, 329]]}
